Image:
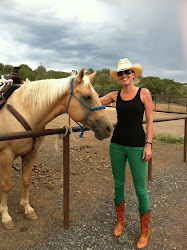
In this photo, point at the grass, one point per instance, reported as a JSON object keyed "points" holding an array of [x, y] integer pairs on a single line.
{"points": [[124, 239], [130, 215], [168, 138]]}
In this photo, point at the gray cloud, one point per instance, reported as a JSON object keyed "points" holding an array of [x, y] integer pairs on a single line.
{"points": [[147, 32]]}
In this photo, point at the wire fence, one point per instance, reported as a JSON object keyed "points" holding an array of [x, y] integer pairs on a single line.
{"points": [[162, 103], [170, 103]]}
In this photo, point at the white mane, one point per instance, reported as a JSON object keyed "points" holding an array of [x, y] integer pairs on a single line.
{"points": [[44, 92]]}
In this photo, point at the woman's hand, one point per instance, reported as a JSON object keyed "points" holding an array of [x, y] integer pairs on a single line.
{"points": [[147, 153]]}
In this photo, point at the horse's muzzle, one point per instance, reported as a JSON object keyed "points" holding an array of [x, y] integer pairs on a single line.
{"points": [[102, 129]]}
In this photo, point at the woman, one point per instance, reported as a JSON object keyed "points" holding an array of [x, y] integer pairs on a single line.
{"points": [[128, 143]]}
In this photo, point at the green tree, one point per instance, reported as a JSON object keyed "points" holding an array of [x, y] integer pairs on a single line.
{"points": [[102, 82], [7, 69], [89, 71], [26, 72], [1, 67]]}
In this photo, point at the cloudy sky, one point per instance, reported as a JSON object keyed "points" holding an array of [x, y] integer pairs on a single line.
{"points": [[71, 34]]}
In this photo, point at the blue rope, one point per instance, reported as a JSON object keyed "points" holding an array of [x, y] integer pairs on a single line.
{"points": [[82, 128]]}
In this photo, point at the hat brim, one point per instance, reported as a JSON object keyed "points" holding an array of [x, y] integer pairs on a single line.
{"points": [[137, 68]]}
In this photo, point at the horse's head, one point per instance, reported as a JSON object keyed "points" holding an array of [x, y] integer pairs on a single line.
{"points": [[82, 106]]}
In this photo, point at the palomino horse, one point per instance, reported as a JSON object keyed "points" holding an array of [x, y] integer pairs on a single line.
{"points": [[40, 102]]}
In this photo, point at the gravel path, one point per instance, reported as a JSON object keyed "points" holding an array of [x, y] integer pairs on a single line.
{"points": [[92, 212], [168, 224]]}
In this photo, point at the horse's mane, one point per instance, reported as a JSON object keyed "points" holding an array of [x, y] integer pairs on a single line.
{"points": [[44, 92]]}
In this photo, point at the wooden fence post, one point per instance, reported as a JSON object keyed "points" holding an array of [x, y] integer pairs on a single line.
{"points": [[66, 179], [150, 170], [185, 139]]}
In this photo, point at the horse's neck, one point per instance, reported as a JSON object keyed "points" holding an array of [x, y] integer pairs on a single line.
{"points": [[42, 116], [36, 116]]}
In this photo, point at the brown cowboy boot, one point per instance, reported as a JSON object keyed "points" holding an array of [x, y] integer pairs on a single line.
{"points": [[145, 230], [118, 230]]}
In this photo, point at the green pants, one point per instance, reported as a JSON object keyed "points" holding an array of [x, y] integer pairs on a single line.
{"points": [[119, 155]]}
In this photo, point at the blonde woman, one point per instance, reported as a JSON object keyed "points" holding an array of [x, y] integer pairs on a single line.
{"points": [[129, 143]]}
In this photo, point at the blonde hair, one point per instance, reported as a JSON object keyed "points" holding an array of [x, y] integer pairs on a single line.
{"points": [[44, 92]]}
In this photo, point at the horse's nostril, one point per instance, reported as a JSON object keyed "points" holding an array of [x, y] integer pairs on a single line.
{"points": [[108, 129]]}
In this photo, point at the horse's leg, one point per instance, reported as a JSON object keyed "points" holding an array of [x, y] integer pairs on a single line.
{"points": [[27, 164], [6, 167]]}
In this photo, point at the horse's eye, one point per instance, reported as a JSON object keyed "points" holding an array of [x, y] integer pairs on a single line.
{"points": [[87, 97]]}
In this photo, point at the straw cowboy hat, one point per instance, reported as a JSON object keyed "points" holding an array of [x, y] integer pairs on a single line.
{"points": [[126, 64]]}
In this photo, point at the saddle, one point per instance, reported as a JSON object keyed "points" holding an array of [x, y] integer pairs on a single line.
{"points": [[7, 87], [5, 84]]}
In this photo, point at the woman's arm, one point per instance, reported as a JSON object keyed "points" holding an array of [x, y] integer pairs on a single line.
{"points": [[147, 99], [109, 98]]}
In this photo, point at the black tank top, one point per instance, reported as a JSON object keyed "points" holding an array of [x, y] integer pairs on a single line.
{"points": [[129, 130]]}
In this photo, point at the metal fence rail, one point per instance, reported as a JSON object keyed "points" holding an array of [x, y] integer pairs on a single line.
{"points": [[66, 154]]}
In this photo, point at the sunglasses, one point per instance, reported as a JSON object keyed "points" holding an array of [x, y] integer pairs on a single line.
{"points": [[127, 72]]}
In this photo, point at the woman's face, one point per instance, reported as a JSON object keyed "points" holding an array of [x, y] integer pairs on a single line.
{"points": [[126, 77]]}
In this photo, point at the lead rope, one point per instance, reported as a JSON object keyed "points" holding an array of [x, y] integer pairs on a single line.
{"points": [[68, 129], [61, 136], [72, 134]]}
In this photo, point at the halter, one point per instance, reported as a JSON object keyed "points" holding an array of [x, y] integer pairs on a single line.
{"points": [[83, 128]]}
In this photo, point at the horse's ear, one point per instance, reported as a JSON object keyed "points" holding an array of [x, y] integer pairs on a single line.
{"points": [[80, 75], [92, 76], [27, 80]]}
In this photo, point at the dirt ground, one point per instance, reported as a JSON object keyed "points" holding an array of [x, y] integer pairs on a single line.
{"points": [[92, 213]]}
